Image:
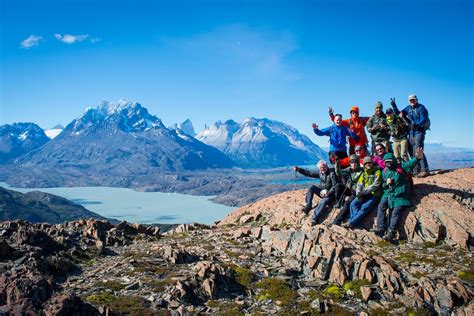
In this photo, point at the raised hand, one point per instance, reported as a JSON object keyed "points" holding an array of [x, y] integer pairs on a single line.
{"points": [[295, 168], [330, 110], [392, 102], [314, 125]]}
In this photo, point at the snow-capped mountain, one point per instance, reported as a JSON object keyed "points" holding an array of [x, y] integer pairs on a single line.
{"points": [[19, 138], [123, 138], [54, 131], [186, 127], [261, 143]]}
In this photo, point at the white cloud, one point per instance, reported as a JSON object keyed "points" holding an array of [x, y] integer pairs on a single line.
{"points": [[71, 39], [32, 40]]}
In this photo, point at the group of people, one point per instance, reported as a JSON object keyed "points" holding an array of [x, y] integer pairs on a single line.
{"points": [[362, 180]]}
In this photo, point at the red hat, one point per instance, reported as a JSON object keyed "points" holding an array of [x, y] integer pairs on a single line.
{"points": [[354, 109]]}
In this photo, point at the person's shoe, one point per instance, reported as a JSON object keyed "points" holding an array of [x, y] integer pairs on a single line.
{"points": [[389, 236], [306, 209], [423, 174], [377, 231], [347, 225]]}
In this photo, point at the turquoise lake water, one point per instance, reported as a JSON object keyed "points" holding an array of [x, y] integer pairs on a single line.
{"points": [[141, 207]]}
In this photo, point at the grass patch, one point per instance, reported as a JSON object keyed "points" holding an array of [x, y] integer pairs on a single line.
{"points": [[334, 291], [225, 308], [408, 257], [355, 286], [428, 244], [467, 275], [110, 284], [383, 244], [130, 305], [276, 290], [160, 285]]}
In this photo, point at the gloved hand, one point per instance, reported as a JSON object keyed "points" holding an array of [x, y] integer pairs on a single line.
{"points": [[392, 102], [359, 194]]}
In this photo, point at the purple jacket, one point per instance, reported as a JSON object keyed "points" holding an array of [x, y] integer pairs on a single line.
{"points": [[379, 161]]}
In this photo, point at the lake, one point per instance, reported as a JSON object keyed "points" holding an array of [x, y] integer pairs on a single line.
{"points": [[141, 207]]}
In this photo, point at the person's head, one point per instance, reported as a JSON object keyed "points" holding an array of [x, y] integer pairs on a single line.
{"points": [[380, 149], [378, 108], [413, 99], [390, 160], [389, 112], [368, 163], [322, 166], [354, 162], [354, 112], [338, 119], [358, 150]]}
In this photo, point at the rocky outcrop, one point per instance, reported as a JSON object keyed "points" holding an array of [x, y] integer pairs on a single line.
{"points": [[442, 210]]}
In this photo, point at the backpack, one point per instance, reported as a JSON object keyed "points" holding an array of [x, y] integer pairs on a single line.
{"points": [[427, 124], [408, 176]]}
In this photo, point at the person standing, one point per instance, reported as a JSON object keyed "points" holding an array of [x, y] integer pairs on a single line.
{"points": [[337, 137], [325, 189], [397, 190], [420, 123], [399, 129], [357, 124], [378, 128]]}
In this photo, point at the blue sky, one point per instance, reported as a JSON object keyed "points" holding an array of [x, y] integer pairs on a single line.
{"points": [[215, 60]]}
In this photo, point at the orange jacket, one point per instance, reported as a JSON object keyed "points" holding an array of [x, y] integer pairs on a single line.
{"points": [[358, 126]]}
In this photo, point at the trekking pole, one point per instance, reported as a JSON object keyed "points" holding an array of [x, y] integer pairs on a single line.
{"points": [[294, 188]]}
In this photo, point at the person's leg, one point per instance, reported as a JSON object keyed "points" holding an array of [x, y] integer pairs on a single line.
{"points": [[411, 143], [396, 213], [420, 143], [354, 208], [404, 149], [309, 196], [365, 208], [381, 218], [344, 210], [339, 189], [388, 146], [396, 150], [323, 203]]}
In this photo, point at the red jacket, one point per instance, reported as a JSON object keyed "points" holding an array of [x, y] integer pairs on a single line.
{"points": [[358, 126]]}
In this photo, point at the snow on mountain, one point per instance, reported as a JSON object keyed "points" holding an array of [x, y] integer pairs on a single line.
{"points": [[261, 143], [19, 138], [186, 127]]}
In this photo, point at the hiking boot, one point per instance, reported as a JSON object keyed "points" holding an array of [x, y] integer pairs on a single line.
{"points": [[423, 174], [347, 225], [378, 231], [306, 209], [389, 236]]}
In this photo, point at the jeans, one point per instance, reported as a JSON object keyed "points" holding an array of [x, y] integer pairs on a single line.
{"points": [[400, 149], [360, 207], [381, 218], [323, 203], [418, 140], [341, 216]]}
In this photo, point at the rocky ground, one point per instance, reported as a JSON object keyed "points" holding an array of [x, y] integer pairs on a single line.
{"points": [[262, 259]]}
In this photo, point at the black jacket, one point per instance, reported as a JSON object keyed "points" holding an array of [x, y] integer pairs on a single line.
{"points": [[327, 180]]}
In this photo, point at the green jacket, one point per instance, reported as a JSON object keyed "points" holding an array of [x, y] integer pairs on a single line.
{"points": [[399, 128], [349, 175], [370, 182], [399, 192], [378, 133]]}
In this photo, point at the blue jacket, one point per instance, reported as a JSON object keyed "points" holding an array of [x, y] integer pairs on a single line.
{"points": [[418, 116], [337, 136]]}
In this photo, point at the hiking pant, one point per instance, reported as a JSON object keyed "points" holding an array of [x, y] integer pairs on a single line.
{"points": [[323, 203], [342, 215], [418, 140], [381, 218], [400, 149], [360, 207], [339, 189]]}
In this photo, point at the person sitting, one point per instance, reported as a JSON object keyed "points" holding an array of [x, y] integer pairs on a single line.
{"points": [[337, 137], [396, 195], [357, 124], [368, 193], [399, 128], [325, 189], [345, 162], [350, 177], [378, 128], [378, 156]]}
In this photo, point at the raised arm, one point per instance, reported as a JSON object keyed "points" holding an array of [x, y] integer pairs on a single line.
{"points": [[307, 173]]}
